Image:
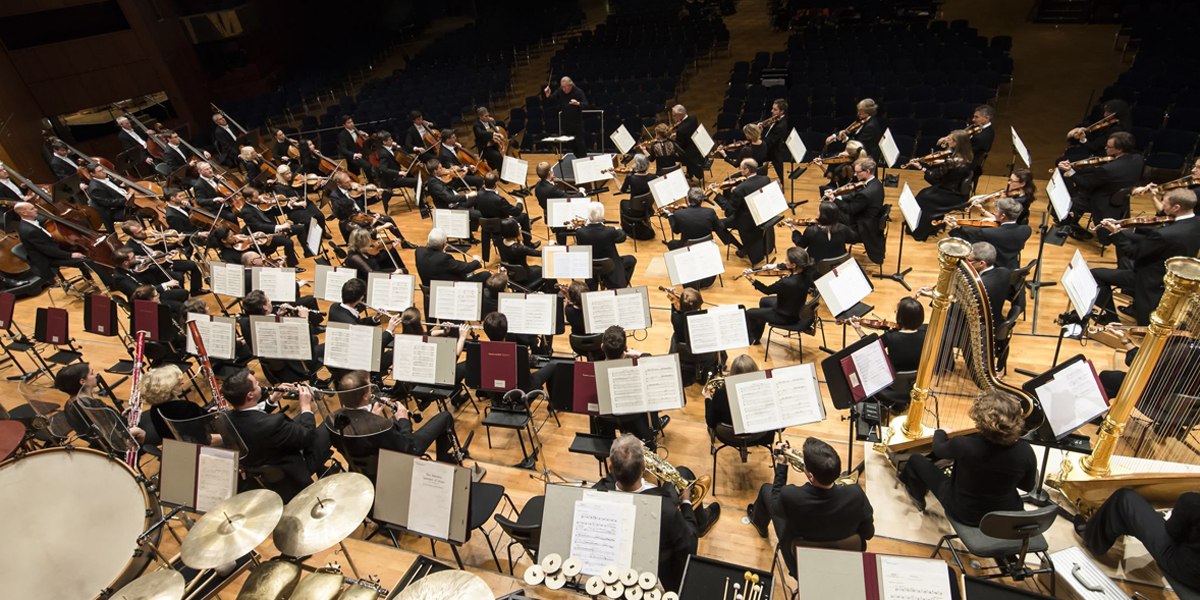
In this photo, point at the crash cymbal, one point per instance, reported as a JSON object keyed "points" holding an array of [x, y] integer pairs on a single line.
{"points": [[235, 527], [166, 584], [324, 514], [447, 585]]}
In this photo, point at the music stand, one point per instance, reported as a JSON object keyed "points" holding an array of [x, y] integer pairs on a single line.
{"points": [[1037, 284], [393, 500], [1063, 437], [850, 395]]}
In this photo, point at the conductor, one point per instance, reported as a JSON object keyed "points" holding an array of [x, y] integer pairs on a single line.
{"points": [[571, 102]]}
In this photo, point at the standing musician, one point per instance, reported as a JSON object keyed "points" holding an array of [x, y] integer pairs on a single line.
{"points": [[486, 129], [867, 129], [1008, 237], [818, 511], [1097, 189], [604, 239], [132, 142], [784, 298], [225, 141], [902, 341], [60, 161], [447, 156], [299, 208], [45, 256], [126, 281], [989, 465], [862, 208], [947, 178], [434, 263], [754, 244], [828, 238], [694, 221], [176, 268], [983, 135], [775, 135], [390, 173], [107, 197], [570, 102], [350, 143], [1142, 255], [207, 191], [297, 447], [367, 255], [175, 155], [362, 416], [1082, 143], [686, 125], [490, 204], [664, 151], [258, 221], [752, 147]]}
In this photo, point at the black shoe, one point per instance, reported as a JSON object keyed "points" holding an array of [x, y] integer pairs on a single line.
{"points": [[407, 245], [762, 531], [663, 421], [714, 514], [1081, 234], [200, 292], [300, 269], [1079, 523], [918, 501], [740, 253]]}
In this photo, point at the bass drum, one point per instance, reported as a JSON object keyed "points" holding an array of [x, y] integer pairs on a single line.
{"points": [[70, 519]]}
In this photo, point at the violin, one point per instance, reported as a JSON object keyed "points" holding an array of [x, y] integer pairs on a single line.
{"points": [[967, 223], [840, 158], [794, 223], [143, 262], [1089, 162], [727, 184], [932, 158], [775, 270], [169, 237], [880, 324], [730, 146], [242, 242], [1136, 222], [448, 174], [849, 187], [1104, 123], [672, 295]]}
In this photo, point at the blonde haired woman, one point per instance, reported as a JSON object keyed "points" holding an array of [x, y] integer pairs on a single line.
{"points": [[162, 390]]}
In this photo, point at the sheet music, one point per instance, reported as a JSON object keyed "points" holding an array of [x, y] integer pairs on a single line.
{"points": [[514, 170], [562, 210], [843, 287], [622, 140], [703, 141], [602, 534], [653, 384], [216, 477], [887, 147], [605, 308], [456, 301], [796, 146], [315, 234], [907, 578], [430, 499], [567, 262], [414, 360], [1060, 196], [1080, 285], [766, 203], [822, 573], [456, 224], [334, 278], [1019, 146], [592, 168], [789, 397], [628, 393], [278, 283], [531, 314], [910, 208], [228, 279], [287, 339], [874, 370], [668, 188], [390, 291], [1073, 397], [349, 346], [419, 189], [694, 262], [632, 310], [218, 333], [719, 328]]}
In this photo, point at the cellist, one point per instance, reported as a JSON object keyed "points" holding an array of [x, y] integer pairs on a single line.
{"points": [[45, 256], [421, 137], [447, 155], [486, 129]]}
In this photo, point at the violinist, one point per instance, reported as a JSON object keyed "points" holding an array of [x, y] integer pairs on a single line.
{"points": [[839, 168], [640, 201], [983, 135], [257, 221], [664, 151], [126, 281], [367, 255], [1019, 187], [299, 209], [132, 142], [486, 129], [775, 135], [754, 244], [568, 102], [946, 178], [107, 197], [250, 161], [225, 142], [283, 148], [1086, 141], [573, 310], [346, 208], [444, 196], [545, 188], [1145, 251], [447, 155], [753, 147], [420, 137], [695, 221], [390, 173], [1192, 182], [45, 256], [685, 125], [861, 208], [784, 298], [207, 190], [828, 238], [604, 239], [490, 204], [230, 244], [175, 269], [1008, 237], [350, 146], [514, 251], [60, 161], [1096, 187], [435, 263], [867, 129], [903, 341]]}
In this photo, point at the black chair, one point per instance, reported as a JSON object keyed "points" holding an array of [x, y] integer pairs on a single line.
{"points": [[519, 274], [727, 438], [637, 212], [517, 418], [1006, 537], [808, 323], [489, 229], [601, 268], [696, 368], [826, 265], [1018, 281], [586, 345], [1002, 337], [526, 530]]}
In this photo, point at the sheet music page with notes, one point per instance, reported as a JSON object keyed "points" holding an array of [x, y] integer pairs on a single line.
{"points": [[632, 309], [668, 188], [626, 386], [562, 210], [874, 370], [567, 262], [718, 328], [602, 532], [390, 291], [414, 360], [430, 499], [333, 278], [349, 346], [796, 146], [592, 168], [661, 382], [703, 141], [766, 203], [456, 224], [287, 339], [531, 314], [216, 477], [907, 578], [456, 301], [1080, 285], [693, 263], [514, 171], [218, 333], [227, 279], [789, 397], [278, 283], [843, 287]]}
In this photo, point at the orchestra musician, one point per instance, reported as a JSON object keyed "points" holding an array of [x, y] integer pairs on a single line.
{"points": [[981, 140], [435, 263], [1116, 117], [12, 191], [545, 188], [206, 189], [296, 447], [1192, 182], [174, 155], [869, 130], [78, 381], [107, 197], [573, 310], [299, 208], [162, 391], [346, 208], [45, 256], [818, 511], [862, 208], [447, 156], [282, 149], [241, 349], [390, 173], [1020, 188], [495, 327], [640, 200], [753, 148], [664, 151], [694, 221], [176, 268], [179, 213], [783, 299], [256, 220], [829, 238], [61, 163], [132, 142], [947, 178], [250, 161], [1142, 255], [485, 130], [1008, 237], [754, 244], [716, 402], [416, 135], [257, 303], [989, 465], [775, 136], [1173, 542], [490, 204], [126, 280], [568, 102], [367, 255], [685, 126], [903, 344], [839, 168], [225, 142], [513, 251], [350, 143], [604, 239], [444, 196], [1096, 188], [697, 367], [996, 280]]}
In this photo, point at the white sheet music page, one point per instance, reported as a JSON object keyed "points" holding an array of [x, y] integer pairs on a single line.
{"points": [[599, 310], [349, 346], [695, 262], [218, 333], [228, 279], [668, 188], [315, 233], [414, 360], [909, 208], [430, 499], [1060, 196], [1072, 398], [719, 328], [457, 302], [567, 262], [456, 224], [766, 203], [1019, 146], [335, 278], [796, 146], [592, 168], [907, 578], [874, 369], [843, 287], [279, 284], [887, 147], [602, 533], [789, 397], [1080, 285], [703, 141], [514, 170], [563, 210], [216, 477], [390, 291], [661, 382], [420, 188], [530, 314], [822, 573], [625, 385], [633, 309], [286, 339], [622, 140]]}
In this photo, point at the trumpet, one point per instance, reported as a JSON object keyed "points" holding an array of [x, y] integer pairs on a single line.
{"points": [[794, 458], [667, 473]]}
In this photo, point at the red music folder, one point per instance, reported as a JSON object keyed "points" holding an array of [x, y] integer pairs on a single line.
{"points": [[100, 315], [852, 378], [497, 366], [584, 400], [52, 326], [7, 301], [145, 318]]}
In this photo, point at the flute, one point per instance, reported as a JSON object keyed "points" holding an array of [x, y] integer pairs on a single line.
{"points": [[293, 393]]}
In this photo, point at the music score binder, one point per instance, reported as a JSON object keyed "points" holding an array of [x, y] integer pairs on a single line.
{"points": [[196, 476], [100, 315], [501, 377], [584, 401], [694, 262], [286, 338], [844, 287], [7, 301], [497, 366], [636, 385], [424, 359], [218, 333], [864, 370], [350, 346], [151, 317], [825, 573], [628, 307], [775, 398], [718, 328], [328, 281], [531, 314], [52, 326], [836, 382], [567, 262]]}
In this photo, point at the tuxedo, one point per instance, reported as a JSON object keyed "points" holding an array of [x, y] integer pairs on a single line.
{"points": [[256, 221], [1141, 259], [134, 144], [1096, 188], [692, 223], [489, 151], [997, 283], [438, 265], [946, 192], [44, 253], [226, 145], [773, 138], [861, 210], [63, 167], [176, 158], [492, 205], [753, 240], [603, 240], [1008, 239], [367, 433], [179, 219], [7, 191], [348, 145], [981, 144], [544, 190], [693, 161], [869, 136], [107, 200], [295, 446]]}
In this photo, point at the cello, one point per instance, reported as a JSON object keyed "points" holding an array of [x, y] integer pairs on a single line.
{"points": [[154, 144]]}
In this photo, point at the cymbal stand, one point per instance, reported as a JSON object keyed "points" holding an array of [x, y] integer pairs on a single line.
{"points": [[545, 474]]}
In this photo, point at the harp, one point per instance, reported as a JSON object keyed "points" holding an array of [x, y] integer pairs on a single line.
{"points": [[957, 360], [1150, 439]]}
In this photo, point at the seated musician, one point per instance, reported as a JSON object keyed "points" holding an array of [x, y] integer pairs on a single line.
{"points": [[176, 268], [752, 244], [443, 195], [162, 391], [637, 185], [179, 213], [775, 137], [12, 191], [573, 310], [492, 205], [257, 303], [1008, 238], [716, 401], [1020, 187], [175, 155], [287, 452], [126, 280], [604, 239], [665, 153], [646, 426], [78, 381], [514, 251], [1191, 181], [903, 344], [861, 209], [362, 416], [485, 137], [241, 349], [250, 161], [226, 240], [349, 211], [390, 173], [989, 465], [45, 255], [784, 298], [107, 197], [368, 255], [818, 511], [1081, 143], [419, 137], [839, 168], [681, 523], [353, 310], [545, 188], [299, 209], [493, 286], [447, 155], [260, 214], [997, 280], [947, 179], [1142, 255], [1174, 542], [350, 142], [283, 148], [829, 238], [1096, 187], [60, 162], [435, 263], [411, 323], [207, 192], [701, 366], [869, 133], [754, 147], [495, 327], [694, 221]]}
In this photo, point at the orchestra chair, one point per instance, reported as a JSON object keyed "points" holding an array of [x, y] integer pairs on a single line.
{"points": [[601, 268], [489, 229], [808, 323], [1002, 336], [885, 218], [586, 345], [742, 442], [525, 531], [1120, 199], [361, 454], [638, 211], [485, 499], [853, 543], [825, 265], [1001, 536], [517, 419], [1018, 282], [520, 273]]}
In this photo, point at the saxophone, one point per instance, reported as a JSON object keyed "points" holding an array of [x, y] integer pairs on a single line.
{"points": [[666, 473]]}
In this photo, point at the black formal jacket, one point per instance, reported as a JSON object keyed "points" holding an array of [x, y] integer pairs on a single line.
{"points": [[693, 222], [986, 475], [277, 441], [820, 515], [683, 137], [676, 533], [440, 265], [572, 116], [869, 135], [176, 159], [981, 144], [180, 221], [517, 254], [493, 206], [63, 167], [7, 193], [444, 197], [773, 138], [226, 146], [603, 240], [862, 205], [791, 292], [997, 283], [413, 139], [1149, 249], [446, 156], [544, 190], [257, 221], [823, 243], [1100, 183], [41, 248], [1009, 239], [203, 191], [347, 145], [128, 143], [343, 205], [483, 137], [105, 196], [636, 184], [371, 433]]}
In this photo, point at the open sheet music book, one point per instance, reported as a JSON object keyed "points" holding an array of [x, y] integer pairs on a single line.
{"points": [[627, 307], [766, 203], [218, 333], [668, 188], [514, 171], [287, 338], [456, 224], [561, 211], [227, 279], [279, 284], [328, 281], [694, 263], [718, 328], [531, 314], [775, 398], [424, 359], [390, 291], [455, 300], [844, 286], [622, 139], [349, 346], [823, 573], [567, 262], [636, 385]]}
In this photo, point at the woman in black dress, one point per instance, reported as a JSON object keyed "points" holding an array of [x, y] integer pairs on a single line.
{"points": [[839, 168], [663, 150], [639, 202], [367, 255], [753, 148], [1020, 187], [828, 238], [716, 406], [947, 178], [514, 252], [903, 346]]}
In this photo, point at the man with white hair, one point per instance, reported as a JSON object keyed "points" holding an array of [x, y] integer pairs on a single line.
{"points": [[569, 101], [225, 141], [132, 142], [603, 240], [685, 126], [435, 263]]}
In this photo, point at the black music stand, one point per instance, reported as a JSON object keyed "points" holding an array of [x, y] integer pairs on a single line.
{"points": [[1037, 284], [18, 342], [858, 310], [899, 275], [1046, 437], [865, 416]]}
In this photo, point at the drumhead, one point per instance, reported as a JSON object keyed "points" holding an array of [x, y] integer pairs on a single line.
{"points": [[69, 521]]}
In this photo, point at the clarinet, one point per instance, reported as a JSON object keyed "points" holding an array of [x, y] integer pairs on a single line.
{"points": [[135, 396], [206, 366]]}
